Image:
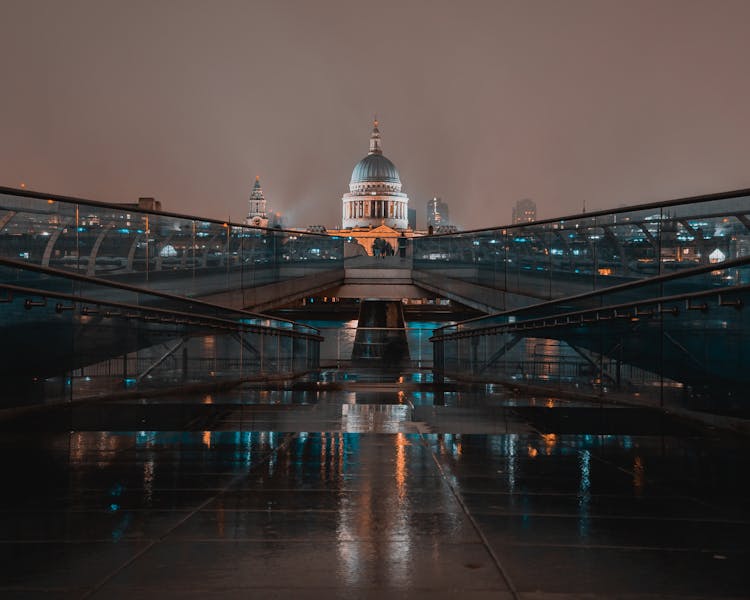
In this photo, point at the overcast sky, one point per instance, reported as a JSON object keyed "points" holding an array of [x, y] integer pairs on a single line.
{"points": [[480, 102]]}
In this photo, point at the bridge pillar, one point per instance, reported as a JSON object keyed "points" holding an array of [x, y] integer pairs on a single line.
{"points": [[380, 340]]}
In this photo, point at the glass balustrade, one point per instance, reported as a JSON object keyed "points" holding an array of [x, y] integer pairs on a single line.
{"points": [[565, 257], [68, 336], [679, 340], [161, 251]]}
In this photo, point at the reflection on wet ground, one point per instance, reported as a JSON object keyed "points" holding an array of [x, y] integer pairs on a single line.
{"points": [[370, 490]]}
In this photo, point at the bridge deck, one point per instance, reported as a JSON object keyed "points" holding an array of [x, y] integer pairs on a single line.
{"points": [[370, 491]]}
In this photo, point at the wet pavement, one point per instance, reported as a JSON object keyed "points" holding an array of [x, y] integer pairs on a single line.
{"points": [[372, 490]]}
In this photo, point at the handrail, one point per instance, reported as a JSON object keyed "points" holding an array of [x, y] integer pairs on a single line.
{"points": [[115, 206], [196, 318], [655, 280], [105, 283], [533, 323], [614, 211], [636, 207]]}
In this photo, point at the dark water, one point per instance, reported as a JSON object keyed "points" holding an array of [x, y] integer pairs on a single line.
{"points": [[371, 486]]}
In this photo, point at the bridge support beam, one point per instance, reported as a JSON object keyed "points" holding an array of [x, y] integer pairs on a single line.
{"points": [[273, 295], [476, 296]]}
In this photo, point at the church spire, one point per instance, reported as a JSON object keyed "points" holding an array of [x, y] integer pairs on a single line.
{"points": [[257, 190], [256, 214], [375, 144]]}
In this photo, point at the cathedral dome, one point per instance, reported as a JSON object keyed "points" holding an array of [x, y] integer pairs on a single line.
{"points": [[375, 196], [375, 168]]}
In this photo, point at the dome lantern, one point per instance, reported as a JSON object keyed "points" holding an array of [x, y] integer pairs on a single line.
{"points": [[376, 146]]}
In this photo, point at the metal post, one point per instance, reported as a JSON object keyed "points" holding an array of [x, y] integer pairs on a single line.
{"points": [[148, 233]]}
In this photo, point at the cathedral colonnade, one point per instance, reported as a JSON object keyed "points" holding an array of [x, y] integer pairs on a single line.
{"points": [[376, 208]]}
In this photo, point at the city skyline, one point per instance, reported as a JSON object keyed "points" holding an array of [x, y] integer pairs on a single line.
{"points": [[600, 103]]}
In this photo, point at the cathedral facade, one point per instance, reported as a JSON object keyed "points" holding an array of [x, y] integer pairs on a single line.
{"points": [[375, 198]]}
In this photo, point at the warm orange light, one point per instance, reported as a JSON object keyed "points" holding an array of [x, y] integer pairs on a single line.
{"points": [[207, 439], [401, 465], [550, 439], [550, 403], [605, 271], [532, 452], [50, 201], [323, 455]]}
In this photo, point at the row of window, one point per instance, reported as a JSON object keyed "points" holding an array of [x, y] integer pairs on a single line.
{"points": [[375, 209]]}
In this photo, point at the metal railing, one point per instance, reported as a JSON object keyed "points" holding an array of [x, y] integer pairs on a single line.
{"points": [[186, 255], [66, 335], [567, 256], [651, 340]]}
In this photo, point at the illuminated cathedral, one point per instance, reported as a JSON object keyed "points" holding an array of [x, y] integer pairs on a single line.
{"points": [[375, 197], [375, 207]]}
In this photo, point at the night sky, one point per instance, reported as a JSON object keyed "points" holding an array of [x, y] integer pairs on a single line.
{"points": [[481, 103]]}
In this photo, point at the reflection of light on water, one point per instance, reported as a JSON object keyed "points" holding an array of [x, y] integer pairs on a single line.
{"points": [[584, 492], [353, 524], [207, 439], [76, 447], [323, 452], [550, 439], [249, 444], [145, 438], [341, 455], [639, 475], [505, 446], [378, 418], [399, 530], [457, 448], [401, 466], [272, 459], [148, 479], [377, 529], [532, 452]]}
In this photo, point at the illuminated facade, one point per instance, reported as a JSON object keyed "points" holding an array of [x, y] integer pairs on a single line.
{"points": [[437, 213], [256, 211], [524, 211], [375, 198]]}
